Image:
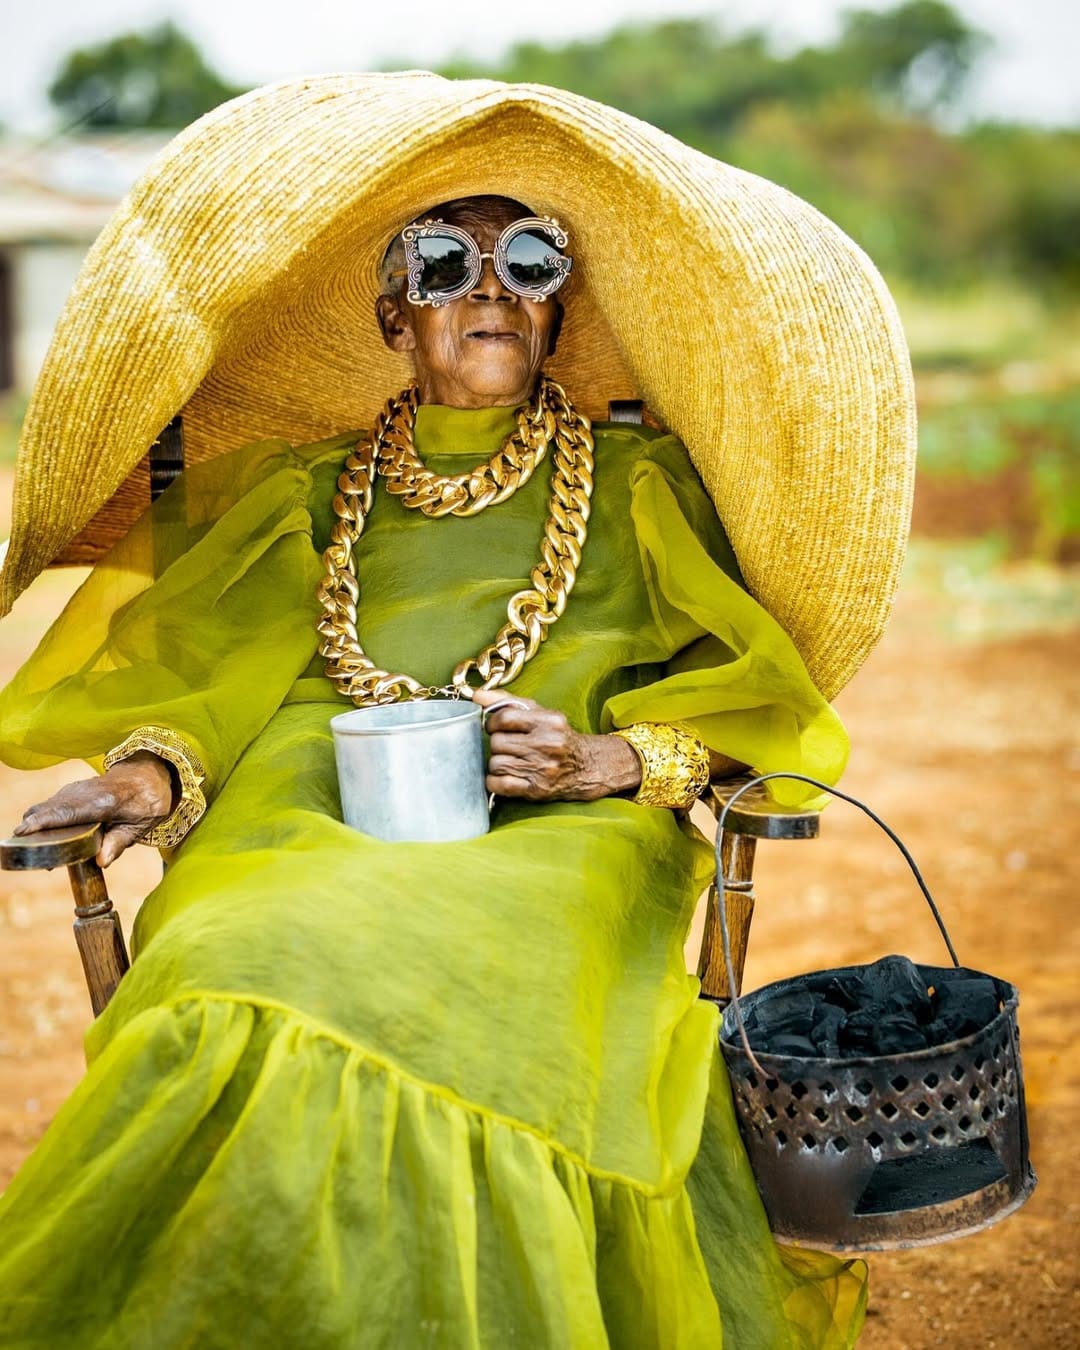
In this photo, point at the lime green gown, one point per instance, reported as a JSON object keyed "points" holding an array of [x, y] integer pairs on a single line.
{"points": [[399, 1095]]}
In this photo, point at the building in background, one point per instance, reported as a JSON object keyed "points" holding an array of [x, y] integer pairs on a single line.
{"points": [[54, 199]]}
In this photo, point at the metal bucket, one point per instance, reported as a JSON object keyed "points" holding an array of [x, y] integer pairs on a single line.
{"points": [[413, 771], [886, 1151]]}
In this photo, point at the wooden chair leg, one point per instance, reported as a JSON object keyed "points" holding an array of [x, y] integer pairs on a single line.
{"points": [[98, 934], [737, 852], [750, 817]]}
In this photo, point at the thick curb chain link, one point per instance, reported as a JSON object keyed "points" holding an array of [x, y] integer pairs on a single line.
{"points": [[551, 420], [531, 612], [466, 494]]}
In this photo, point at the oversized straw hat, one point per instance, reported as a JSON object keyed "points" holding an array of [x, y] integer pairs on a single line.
{"points": [[236, 284]]}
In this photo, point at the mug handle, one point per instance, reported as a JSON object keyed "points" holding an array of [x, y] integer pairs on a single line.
{"points": [[485, 713]]}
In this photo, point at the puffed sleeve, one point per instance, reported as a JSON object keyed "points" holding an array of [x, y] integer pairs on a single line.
{"points": [[198, 621], [734, 677]]}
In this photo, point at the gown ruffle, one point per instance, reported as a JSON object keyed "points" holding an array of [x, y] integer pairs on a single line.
{"points": [[366, 1094]]}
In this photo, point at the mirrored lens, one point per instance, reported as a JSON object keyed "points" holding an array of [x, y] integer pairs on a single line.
{"points": [[531, 259], [445, 262]]}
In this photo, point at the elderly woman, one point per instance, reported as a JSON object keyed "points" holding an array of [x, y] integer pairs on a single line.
{"points": [[361, 1093]]}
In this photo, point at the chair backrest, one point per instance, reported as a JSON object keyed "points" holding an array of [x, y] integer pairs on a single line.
{"points": [[167, 457]]}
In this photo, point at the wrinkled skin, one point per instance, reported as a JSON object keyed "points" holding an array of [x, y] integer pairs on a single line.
{"points": [[483, 350], [536, 754], [129, 799]]}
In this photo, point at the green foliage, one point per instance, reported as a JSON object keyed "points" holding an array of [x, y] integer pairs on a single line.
{"points": [[1036, 434], [973, 591], [854, 127], [917, 55], [1032, 179], [157, 79], [683, 75], [980, 437], [693, 78]]}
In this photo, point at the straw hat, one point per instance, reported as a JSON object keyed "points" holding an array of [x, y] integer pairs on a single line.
{"points": [[236, 284]]}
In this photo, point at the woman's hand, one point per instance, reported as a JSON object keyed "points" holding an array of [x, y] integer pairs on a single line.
{"points": [[535, 754], [132, 797]]}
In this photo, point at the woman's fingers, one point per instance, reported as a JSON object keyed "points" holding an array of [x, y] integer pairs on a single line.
{"points": [[83, 803], [534, 746], [516, 714], [134, 792], [539, 726], [513, 765], [485, 698], [517, 720], [117, 840], [535, 753], [510, 785]]}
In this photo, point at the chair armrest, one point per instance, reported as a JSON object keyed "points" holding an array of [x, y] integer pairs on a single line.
{"points": [[46, 849], [757, 815], [97, 925]]}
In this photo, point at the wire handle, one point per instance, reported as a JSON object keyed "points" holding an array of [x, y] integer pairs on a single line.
{"points": [[722, 884]]}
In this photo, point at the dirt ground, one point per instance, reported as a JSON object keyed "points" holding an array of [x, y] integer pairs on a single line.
{"points": [[965, 747]]}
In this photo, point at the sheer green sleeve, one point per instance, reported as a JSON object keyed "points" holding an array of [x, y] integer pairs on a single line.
{"points": [[735, 679], [198, 621]]}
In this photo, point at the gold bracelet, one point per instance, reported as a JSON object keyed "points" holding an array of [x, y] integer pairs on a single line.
{"points": [[170, 746], [674, 764]]}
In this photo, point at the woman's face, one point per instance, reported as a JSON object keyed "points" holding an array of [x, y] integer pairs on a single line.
{"points": [[485, 349]]}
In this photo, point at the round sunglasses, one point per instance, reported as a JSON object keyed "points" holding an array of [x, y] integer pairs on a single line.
{"points": [[445, 263]]}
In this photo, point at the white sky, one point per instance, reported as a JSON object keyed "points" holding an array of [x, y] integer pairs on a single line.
{"points": [[1031, 75]]}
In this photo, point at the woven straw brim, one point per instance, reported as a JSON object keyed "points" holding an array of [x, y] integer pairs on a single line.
{"points": [[237, 282]]}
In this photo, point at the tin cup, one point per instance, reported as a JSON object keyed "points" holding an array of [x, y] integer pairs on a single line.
{"points": [[414, 771]]}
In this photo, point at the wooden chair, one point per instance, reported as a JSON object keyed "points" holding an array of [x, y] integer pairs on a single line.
{"points": [[99, 936], [105, 959]]}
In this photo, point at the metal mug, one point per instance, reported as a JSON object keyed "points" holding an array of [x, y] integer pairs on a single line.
{"points": [[414, 771]]}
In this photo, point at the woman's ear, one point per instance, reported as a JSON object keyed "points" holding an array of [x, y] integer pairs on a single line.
{"points": [[395, 323], [556, 327]]}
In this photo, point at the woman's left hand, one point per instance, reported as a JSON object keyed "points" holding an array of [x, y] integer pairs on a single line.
{"points": [[536, 755]]}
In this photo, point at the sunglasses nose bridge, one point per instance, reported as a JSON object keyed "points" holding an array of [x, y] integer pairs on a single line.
{"points": [[489, 284]]}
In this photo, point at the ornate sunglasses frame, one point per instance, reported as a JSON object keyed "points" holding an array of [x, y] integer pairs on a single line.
{"points": [[474, 259]]}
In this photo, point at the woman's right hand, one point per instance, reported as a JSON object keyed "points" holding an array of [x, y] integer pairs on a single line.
{"points": [[130, 798]]}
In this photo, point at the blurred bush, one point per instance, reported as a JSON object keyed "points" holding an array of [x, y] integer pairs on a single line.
{"points": [[157, 79], [1004, 465], [865, 128]]}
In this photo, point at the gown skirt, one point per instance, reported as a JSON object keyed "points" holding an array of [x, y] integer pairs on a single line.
{"points": [[360, 1094]]}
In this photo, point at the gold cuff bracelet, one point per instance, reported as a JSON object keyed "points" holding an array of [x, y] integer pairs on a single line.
{"points": [[674, 764], [170, 746]]}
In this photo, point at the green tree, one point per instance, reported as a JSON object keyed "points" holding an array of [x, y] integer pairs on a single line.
{"points": [[697, 80], [687, 76], [154, 79], [856, 126], [918, 54]]}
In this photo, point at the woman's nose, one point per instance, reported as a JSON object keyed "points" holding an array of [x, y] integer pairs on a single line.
{"points": [[490, 285]]}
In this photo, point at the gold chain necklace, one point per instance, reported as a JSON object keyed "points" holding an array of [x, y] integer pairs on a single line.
{"points": [[530, 613], [462, 494]]}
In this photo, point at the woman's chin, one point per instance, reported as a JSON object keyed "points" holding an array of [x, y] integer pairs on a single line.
{"points": [[486, 393], [502, 376], [490, 379]]}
